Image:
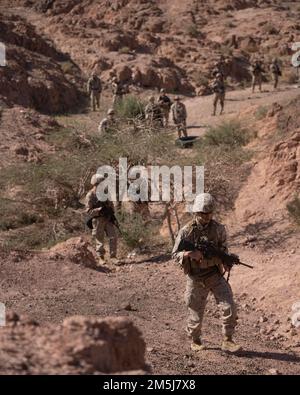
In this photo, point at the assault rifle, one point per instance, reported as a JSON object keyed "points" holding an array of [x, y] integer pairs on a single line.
{"points": [[106, 212], [209, 250]]}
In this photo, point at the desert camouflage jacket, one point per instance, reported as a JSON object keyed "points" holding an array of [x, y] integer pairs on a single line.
{"points": [[193, 232], [92, 203], [179, 112], [218, 86], [94, 84]]}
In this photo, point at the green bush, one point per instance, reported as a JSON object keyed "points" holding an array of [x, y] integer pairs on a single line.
{"points": [[229, 134], [269, 28], [261, 113], [124, 50], [16, 215], [134, 231], [192, 30], [293, 208], [68, 67], [130, 107]]}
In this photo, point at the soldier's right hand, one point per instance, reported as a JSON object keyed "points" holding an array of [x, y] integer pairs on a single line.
{"points": [[194, 255]]}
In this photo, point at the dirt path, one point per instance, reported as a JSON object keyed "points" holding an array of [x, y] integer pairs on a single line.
{"points": [[200, 109], [49, 291]]}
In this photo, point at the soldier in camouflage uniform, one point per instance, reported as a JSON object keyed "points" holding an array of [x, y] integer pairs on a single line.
{"points": [[117, 90], [153, 113], [179, 116], [218, 87], [219, 67], [107, 123], [101, 223], [94, 89], [205, 275], [275, 71], [165, 104], [257, 71]]}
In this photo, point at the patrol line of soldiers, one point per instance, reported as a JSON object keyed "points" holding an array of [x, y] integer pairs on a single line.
{"points": [[94, 90], [203, 275], [257, 70], [157, 113]]}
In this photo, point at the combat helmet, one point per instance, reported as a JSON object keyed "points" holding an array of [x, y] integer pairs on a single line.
{"points": [[204, 203]]}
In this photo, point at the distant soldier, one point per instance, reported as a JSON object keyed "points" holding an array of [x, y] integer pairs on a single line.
{"points": [[219, 67], [275, 71], [107, 123], [117, 90], [205, 275], [153, 113], [179, 116], [257, 71], [94, 89], [218, 87], [165, 105], [101, 220]]}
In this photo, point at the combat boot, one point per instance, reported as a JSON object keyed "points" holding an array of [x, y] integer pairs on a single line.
{"points": [[197, 345], [229, 345]]}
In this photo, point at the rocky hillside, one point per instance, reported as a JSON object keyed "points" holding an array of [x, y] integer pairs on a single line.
{"points": [[169, 43], [36, 74], [78, 346]]}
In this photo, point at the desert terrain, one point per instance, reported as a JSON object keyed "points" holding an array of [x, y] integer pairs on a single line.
{"points": [[130, 318]]}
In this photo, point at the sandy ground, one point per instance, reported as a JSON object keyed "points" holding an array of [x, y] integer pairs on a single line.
{"points": [[200, 109]]}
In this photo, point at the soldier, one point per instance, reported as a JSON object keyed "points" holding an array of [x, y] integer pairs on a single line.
{"points": [[179, 116], [218, 87], [165, 105], [256, 71], [276, 72], [205, 275], [101, 220], [118, 91], [107, 123], [153, 113], [219, 67], [94, 90]]}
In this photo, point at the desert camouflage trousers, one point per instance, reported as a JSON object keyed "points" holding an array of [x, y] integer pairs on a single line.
{"points": [[219, 97], [181, 127], [166, 114], [275, 78], [95, 99], [102, 227], [256, 80], [196, 297]]}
